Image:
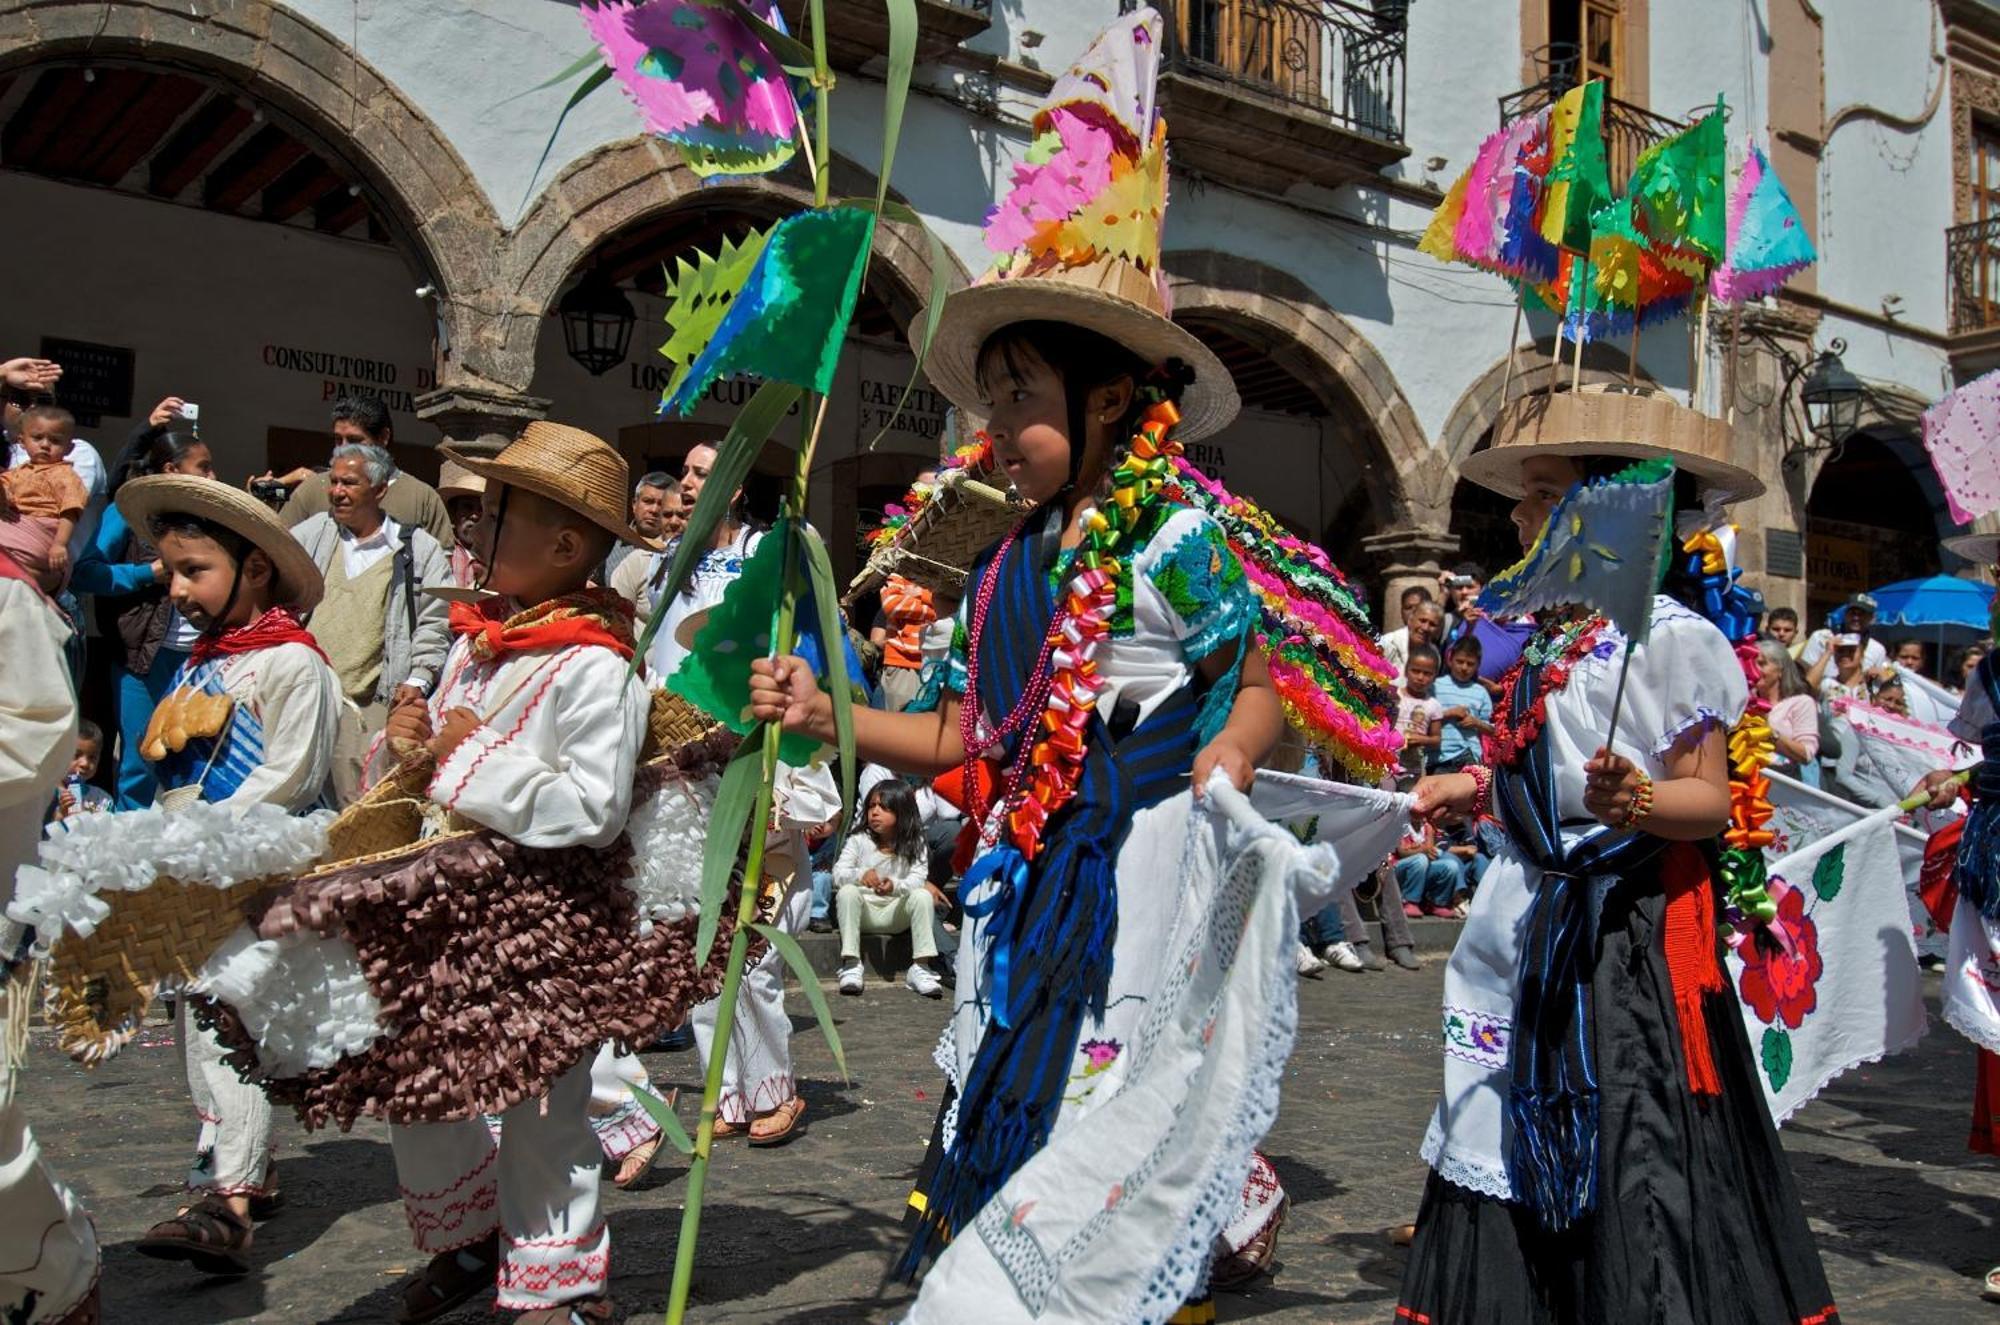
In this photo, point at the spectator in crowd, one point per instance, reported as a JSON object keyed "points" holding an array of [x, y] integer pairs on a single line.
{"points": [[1886, 692], [1782, 625], [649, 517], [1963, 664], [1395, 644], [1840, 674], [1459, 593], [1467, 715], [83, 457], [462, 491], [364, 421], [908, 609], [1910, 653], [42, 502], [732, 544], [123, 572], [673, 514], [1418, 712], [1426, 874], [383, 635], [879, 887], [1857, 620], [78, 795], [1458, 836], [1794, 715]]}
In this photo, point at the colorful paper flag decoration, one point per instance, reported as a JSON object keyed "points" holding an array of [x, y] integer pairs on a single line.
{"points": [[1677, 193], [698, 295], [1605, 547], [789, 319], [703, 79], [1579, 180], [1768, 243], [1962, 434]]}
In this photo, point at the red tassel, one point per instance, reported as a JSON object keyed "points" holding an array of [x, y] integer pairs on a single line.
{"points": [[1689, 940], [1985, 1106]]}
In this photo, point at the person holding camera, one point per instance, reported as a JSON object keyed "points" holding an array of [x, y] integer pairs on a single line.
{"points": [[363, 421], [1856, 619]]}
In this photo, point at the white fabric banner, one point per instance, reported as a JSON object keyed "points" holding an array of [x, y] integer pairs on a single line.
{"points": [[1834, 983], [1883, 754], [1927, 700]]}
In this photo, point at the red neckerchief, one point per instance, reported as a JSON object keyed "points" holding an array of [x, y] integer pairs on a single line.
{"points": [[278, 625], [589, 616]]}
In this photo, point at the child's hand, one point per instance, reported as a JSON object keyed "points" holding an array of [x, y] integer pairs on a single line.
{"points": [[1611, 783], [1456, 713], [165, 412], [1224, 754], [882, 887], [783, 690], [58, 560], [459, 723], [408, 723], [65, 803], [1443, 794]]}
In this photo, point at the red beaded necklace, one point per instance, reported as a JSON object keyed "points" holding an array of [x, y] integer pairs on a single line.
{"points": [[1556, 657]]}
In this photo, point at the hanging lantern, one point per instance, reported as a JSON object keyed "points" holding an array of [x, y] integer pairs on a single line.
{"points": [[597, 323]]}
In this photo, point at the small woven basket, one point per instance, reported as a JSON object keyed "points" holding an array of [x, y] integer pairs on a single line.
{"points": [[937, 547]]}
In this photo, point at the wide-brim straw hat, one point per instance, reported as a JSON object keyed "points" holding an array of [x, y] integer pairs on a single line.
{"points": [[455, 480], [1613, 421], [1112, 297], [299, 584], [574, 469], [1980, 549]]}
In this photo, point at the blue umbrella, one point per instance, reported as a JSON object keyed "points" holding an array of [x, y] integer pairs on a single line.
{"points": [[1940, 607]]}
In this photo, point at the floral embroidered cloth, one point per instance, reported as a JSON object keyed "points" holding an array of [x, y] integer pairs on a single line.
{"points": [[1169, 1092]]}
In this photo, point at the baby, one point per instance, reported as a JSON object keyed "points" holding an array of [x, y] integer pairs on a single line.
{"points": [[44, 498], [77, 794]]}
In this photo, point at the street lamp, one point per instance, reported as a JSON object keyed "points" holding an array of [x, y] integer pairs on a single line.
{"points": [[597, 323], [1832, 397]]}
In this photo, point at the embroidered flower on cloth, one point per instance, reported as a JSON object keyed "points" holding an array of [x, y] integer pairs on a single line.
{"points": [[1101, 1055], [1777, 984]]}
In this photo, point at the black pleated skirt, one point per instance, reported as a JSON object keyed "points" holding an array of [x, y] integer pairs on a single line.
{"points": [[1697, 1220]]}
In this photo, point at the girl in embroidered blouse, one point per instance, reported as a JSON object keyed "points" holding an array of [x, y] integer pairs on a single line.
{"points": [[1605, 1152]]}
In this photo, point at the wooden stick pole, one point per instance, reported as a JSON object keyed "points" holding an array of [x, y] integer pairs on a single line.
{"points": [[1698, 396], [1729, 366], [1632, 364], [1513, 349]]}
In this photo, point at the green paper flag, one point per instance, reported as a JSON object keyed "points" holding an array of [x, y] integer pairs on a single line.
{"points": [[699, 295], [1679, 188], [1579, 182], [789, 319]]}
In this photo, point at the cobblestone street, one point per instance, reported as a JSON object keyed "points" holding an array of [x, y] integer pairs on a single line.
{"points": [[1905, 1216]]}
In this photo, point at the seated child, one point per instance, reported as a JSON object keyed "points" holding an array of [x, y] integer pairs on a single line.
{"points": [[536, 726], [41, 501], [249, 719], [1426, 873], [1459, 838], [1467, 714], [881, 887], [77, 795], [1418, 712]]}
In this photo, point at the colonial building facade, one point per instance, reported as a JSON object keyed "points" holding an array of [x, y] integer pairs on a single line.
{"points": [[256, 205]]}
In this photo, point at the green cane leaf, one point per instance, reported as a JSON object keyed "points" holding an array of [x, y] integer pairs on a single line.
{"points": [[734, 802], [662, 1113], [1830, 873], [571, 70], [734, 455], [1777, 1056], [789, 50], [583, 89], [834, 637], [795, 957], [902, 60]]}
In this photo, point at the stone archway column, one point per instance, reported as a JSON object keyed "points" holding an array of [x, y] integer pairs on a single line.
{"points": [[479, 419], [1410, 554]]}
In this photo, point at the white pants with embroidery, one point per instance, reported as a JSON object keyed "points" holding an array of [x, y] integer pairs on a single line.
{"points": [[757, 1075], [48, 1251], [538, 1186], [232, 1152], [621, 1124]]}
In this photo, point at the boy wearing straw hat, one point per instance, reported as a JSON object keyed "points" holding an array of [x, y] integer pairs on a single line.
{"points": [[536, 726], [251, 718]]}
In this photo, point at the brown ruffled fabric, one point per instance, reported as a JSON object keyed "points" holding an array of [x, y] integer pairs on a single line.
{"points": [[498, 967]]}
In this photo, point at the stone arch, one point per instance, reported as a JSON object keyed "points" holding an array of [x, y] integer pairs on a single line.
{"points": [[623, 183], [1301, 332], [327, 95]]}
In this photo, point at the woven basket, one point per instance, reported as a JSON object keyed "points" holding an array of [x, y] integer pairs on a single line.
{"points": [[937, 547], [671, 723], [101, 986]]}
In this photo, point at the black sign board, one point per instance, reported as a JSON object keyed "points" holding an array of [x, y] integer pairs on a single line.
{"points": [[96, 379]]}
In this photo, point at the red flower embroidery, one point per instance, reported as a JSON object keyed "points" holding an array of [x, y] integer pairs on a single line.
{"points": [[1780, 985]]}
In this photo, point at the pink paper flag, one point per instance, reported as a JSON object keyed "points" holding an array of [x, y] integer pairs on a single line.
{"points": [[1962, 434]]}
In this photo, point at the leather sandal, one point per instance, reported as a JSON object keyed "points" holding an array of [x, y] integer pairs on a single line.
{"points": [[208, 1235], [789, 1114], [1238, 1269], [581, 1311], [450, 1280], [724, 1130], [270, 1201]]}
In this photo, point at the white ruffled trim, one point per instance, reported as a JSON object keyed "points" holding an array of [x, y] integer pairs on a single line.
{"points": [[1700, 719], [302, 998], [1474, 1176], [1980, 1030], [668, 831], [217, 845]]}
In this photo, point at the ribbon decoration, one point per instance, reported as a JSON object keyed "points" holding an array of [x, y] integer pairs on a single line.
{"points": [[1007, 870], [1724, 601]]}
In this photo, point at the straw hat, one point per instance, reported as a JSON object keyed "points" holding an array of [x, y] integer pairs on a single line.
{"points": [[298, 581], [455, 480], [572, 468], [1611, 422], [1090, 259]]}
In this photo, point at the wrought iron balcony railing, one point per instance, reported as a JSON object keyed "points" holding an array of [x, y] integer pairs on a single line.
{"points": [[1628, 129], [1972, 275], [1345, 60]]}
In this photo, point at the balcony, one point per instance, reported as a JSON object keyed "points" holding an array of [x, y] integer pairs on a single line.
{"points": [[1628, 129], [1972, 296], [858, 30], [1271, 93]]}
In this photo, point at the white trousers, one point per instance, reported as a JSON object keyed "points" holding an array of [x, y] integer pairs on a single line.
{"points": [[48, 1251], [538, 1186], [232, 1151], [621, 1124], [757, 1074]]}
